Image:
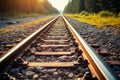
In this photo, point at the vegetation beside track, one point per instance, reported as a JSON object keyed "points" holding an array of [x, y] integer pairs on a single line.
{"points": [[15, 15], [22, 25], [101, 19]]}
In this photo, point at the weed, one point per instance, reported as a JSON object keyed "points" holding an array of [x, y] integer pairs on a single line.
{"points": [[97, 19], [106, 14], [84, 13]]}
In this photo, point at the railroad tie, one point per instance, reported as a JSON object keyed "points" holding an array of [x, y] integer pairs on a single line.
{"points": [[53, 64], [55, 40], [117, 63], [53, 53], [54, 46]]}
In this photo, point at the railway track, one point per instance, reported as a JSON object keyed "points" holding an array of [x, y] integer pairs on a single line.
{"points": [[54, 52]]}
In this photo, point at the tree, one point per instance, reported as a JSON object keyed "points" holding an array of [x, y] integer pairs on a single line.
{"points": [[67, 9], [75, 6], [91, 6], [81, 5], [114, 6], [103, 5], [27, 6]]}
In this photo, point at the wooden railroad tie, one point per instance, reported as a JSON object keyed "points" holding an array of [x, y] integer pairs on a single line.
{"points": [[53, 53], [117, 63], [53, 64], [55, 40], [54, 45], [10, 45], [56, 36]]}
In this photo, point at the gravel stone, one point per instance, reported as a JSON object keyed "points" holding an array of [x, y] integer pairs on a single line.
{"points": [[38, 69], [30, 74], [55, 74], [51, 70], [31, 58], [30, 69], [14, 71], [70, 75], [33, 50], [35, 76]]}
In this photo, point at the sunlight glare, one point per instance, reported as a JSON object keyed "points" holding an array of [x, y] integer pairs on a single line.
{"points": [[41, 0], [59, 4]]}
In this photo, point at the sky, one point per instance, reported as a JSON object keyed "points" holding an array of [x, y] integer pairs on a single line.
{"points": [[59, 4]]}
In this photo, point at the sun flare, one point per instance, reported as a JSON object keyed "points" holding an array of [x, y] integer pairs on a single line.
{"points": [[59, 4]]}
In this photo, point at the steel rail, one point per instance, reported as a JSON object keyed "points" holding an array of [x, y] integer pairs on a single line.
{"points": [[15, 51], [97, 66]]}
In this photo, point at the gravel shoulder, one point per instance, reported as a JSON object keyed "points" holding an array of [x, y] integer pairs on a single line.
{"points": [[13, 37], [10, 21], [107, 37]]}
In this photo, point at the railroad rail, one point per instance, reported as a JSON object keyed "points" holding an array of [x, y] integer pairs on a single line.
{"points": [[63, 48]]}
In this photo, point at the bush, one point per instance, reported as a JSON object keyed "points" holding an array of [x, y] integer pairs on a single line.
{"points": [[106, 14], [84, 13], [119, 15]]}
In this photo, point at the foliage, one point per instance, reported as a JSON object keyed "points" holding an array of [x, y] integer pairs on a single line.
{"points": [[119, 15], [84, 13], [92, 6], [106, 14], [27, 6], [72, 7], [67, 8], [97, 20], [19, 15]]}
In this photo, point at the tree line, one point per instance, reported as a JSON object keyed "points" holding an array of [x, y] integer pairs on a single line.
{"points": [[27, 6], [92, 6]]}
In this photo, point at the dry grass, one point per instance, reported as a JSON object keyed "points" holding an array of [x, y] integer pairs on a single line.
{"points": [[22, 25], [19, 15], [97, 20]]}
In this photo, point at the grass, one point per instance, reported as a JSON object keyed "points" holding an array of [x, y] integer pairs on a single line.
{"points": [[97, 20], [22, 25], [18, 15]]}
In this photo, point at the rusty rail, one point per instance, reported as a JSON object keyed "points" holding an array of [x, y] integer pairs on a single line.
{"points": [[97, 66]]}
